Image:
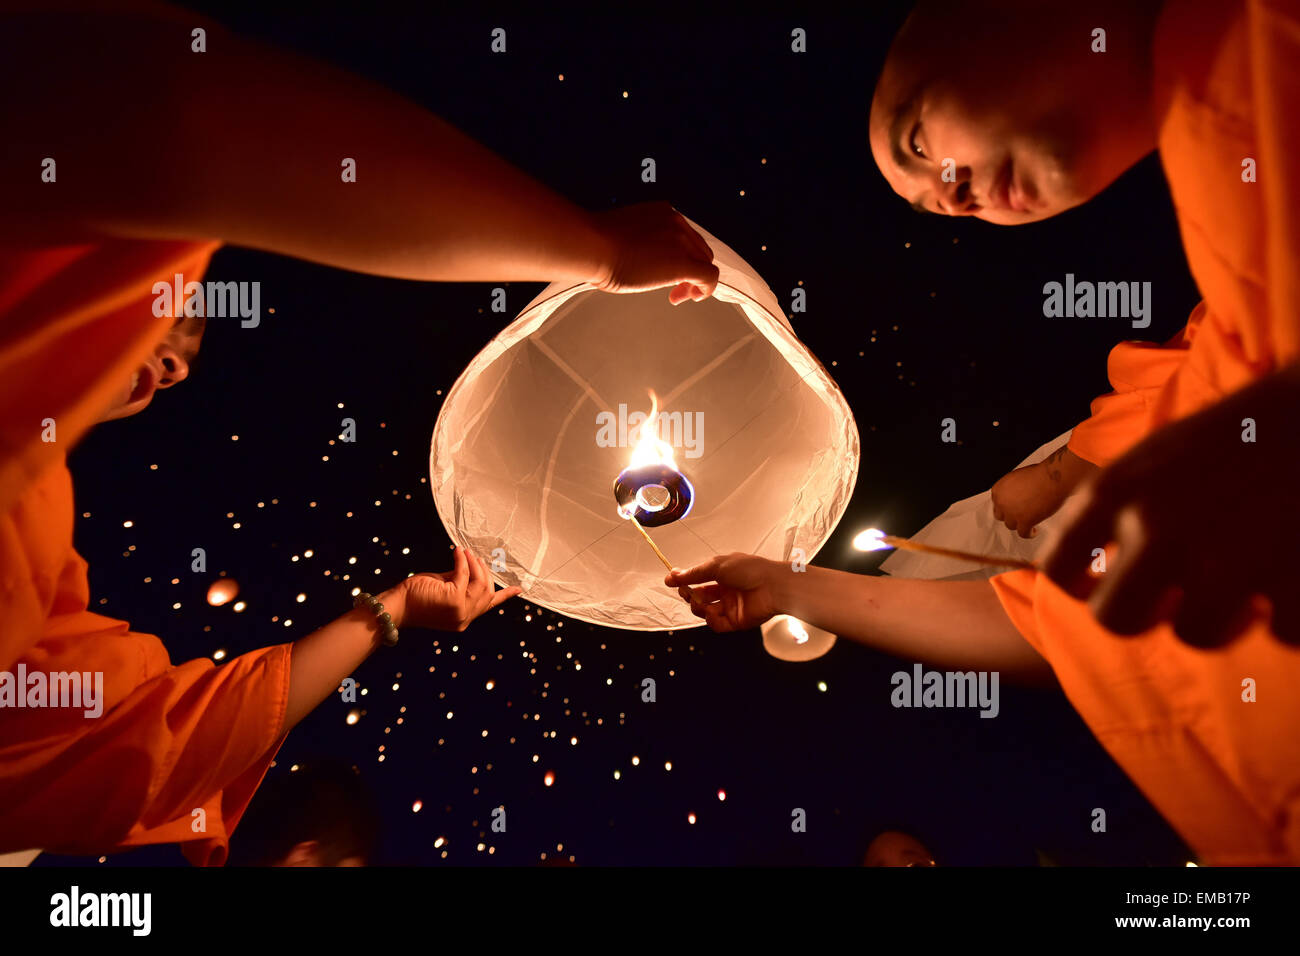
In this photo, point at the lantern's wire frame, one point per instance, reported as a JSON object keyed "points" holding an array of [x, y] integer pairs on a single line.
{"points": [[817, 367]]}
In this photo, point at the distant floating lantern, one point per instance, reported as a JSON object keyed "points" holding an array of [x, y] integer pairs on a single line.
{"points": [[540, 423], [222, 591], [790, 639]]}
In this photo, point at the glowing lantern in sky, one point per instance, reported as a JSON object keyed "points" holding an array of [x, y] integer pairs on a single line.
{"points": [[790, 639], [222, 591], [541, 422]]}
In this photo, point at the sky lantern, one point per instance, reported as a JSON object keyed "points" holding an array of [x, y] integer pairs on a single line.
{"points": [[222, 591], [790, 639], [712, 422]]}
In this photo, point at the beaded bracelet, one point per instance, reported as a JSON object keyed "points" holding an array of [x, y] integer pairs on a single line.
{"points": [[385, 619]]}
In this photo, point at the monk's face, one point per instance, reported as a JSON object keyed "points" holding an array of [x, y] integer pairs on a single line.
{"points": [[1002, 111], [893, 848], [167, 366]]}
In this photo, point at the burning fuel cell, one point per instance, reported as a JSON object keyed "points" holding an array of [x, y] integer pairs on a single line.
{"points": [[651, 489]]}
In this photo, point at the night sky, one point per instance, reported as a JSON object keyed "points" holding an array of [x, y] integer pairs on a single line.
{"points": [[917, 317]]}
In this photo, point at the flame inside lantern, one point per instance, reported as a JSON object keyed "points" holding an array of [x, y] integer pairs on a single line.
{"points": [[653, 471], [797, 630], [650, 449]]}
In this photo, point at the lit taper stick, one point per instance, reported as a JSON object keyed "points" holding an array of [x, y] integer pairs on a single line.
{"points": [[875, 540], [650, 541]]}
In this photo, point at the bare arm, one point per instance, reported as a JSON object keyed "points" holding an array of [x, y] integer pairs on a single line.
{"points": [[447, 602], [957, 624], [946, 623], [324, 657], [245, 143]]}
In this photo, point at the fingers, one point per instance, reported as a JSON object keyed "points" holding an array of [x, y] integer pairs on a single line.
{"points": [[718, 606], [478, 575], [702, 594], [1136, 592], [699, 574], [716, 616], [705, 279], [725, 615], [460, 573], [1000, 515], [1129, 596], [1067, 563], [698, 242], [505, 594], [706, 597], [1214, 613], [702, 283]]}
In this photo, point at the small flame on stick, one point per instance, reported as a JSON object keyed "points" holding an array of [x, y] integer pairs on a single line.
{"points": [[873, 539]]}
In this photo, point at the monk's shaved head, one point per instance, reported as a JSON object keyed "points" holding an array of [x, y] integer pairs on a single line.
{"points": [[1006, 111]]}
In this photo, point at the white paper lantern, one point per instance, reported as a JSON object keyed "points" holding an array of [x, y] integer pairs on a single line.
{"points": [[533, 433], [790, 639]]}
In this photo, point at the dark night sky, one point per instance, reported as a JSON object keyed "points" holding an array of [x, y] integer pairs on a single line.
{"points": [[957, 303]]}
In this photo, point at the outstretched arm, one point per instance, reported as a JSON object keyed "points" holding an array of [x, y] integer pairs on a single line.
{"points": [[246, 143], [957, 624], [447, 602]]}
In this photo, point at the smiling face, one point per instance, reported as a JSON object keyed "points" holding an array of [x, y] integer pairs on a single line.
{"points": [[168, 365], [1003, 111]]}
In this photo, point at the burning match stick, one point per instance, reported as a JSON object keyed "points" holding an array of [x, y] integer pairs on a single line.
{"points": [[650, 541], [875, 540]]}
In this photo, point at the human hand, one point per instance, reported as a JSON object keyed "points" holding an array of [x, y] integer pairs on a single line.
{"points": [[652, 246], [1026, 496], [1205, 523], [743, 595], [451, 600]]}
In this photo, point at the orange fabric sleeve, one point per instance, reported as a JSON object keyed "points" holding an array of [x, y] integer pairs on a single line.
{"points": [[1216, 756], [171, 740], [1241, 235], [1138, 371], [1274, 27]]}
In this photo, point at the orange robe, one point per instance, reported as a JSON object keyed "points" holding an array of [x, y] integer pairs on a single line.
{"points": [[1225, 772], [75, 322]]}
